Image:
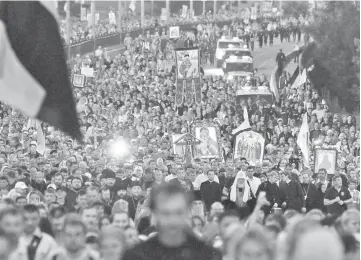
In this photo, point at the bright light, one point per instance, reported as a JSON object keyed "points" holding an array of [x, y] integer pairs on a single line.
{"points": [[119, 148]]}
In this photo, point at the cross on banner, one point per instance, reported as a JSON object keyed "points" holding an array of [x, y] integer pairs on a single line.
{"points": [[187, 142]]}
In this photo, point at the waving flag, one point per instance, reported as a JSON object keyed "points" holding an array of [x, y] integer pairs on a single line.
{"points": [[33, 71], [245, 125], [303, 140]]}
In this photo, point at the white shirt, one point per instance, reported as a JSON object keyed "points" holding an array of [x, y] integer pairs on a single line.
{"points": [[254, 184], [202, 178], [46, 247]]}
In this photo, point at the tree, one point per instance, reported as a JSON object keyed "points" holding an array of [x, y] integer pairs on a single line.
{"points": [[295, 8], [336, 30]]}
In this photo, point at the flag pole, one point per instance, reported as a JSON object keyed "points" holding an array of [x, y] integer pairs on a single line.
{"points": [[92, 7], [120, 19], [68, 26]]}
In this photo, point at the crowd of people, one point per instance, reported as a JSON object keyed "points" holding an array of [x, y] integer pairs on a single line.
{"points": [[126, 194], [82, 31]]}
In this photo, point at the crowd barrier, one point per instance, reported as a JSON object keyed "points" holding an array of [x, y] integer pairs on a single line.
{"points": [[118, 38]]}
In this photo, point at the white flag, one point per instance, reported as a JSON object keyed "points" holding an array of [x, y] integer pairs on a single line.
{"points": [[303, 141], [245, 125]]}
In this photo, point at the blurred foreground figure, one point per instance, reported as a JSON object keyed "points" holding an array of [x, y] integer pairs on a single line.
{"points": [[170, 205]]}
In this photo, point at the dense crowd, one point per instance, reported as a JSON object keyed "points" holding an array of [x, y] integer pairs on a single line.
{"points": [[82, 31], [88, 201]]}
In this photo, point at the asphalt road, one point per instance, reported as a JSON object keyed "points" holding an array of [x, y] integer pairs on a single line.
{"points": [[264, 58]]}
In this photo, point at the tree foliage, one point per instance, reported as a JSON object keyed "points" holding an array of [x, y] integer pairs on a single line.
{"points": [[336, 30], [295, 8]]}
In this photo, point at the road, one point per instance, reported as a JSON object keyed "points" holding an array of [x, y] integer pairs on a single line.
{"points": [[264, 58]]}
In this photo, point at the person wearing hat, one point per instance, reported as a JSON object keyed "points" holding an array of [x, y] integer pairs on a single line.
{"points": [[240, 190], [109, 176], [136, 199]]}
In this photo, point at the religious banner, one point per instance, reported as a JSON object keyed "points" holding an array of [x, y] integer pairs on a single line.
{"points": [[184, 11], [249, 145], [188, 76], [178, 149], [78, 80], [83, 15], [174, 32], [254, 13], [111, 17], [163, 15], [209, 136], [325, 159], [87, 72]]}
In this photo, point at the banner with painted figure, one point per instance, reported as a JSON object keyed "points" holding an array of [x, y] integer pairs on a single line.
{"points": [[174, 32], [83, 14], [188, 76], [163, 15], [249, 145], [184, 11], [111, 16]]}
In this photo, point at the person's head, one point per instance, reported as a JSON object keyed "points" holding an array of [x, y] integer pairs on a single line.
{"points": [[322, 174], [253, 244], [272, 176], [226, 219], [92, 194], [112, 242], [120, 219], [211, 175], [275, 220], [76, 183], [315, 214], [337, 181], [20, 201], [314, 242], [106, 194], [305, 178], [250, 171], [12, 222], [352, 185], [136, 189], [49, 196], [6, 245], [58, 179], [131, 236], [170, 205], [81, 199], [286, 176], [57, 218], [31, 218], [181, 173], [197, 224], [350, 221], [216, 207], [89, 216], [74, 232], [204, 135]]}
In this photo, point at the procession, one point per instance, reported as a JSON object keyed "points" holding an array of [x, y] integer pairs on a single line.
{"points": [[141, 130]]}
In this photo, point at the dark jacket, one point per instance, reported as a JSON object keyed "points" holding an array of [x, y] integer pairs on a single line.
{"points": [[291, 193], [311, 194], [210, 192], [153, 249], [272, 192]]}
